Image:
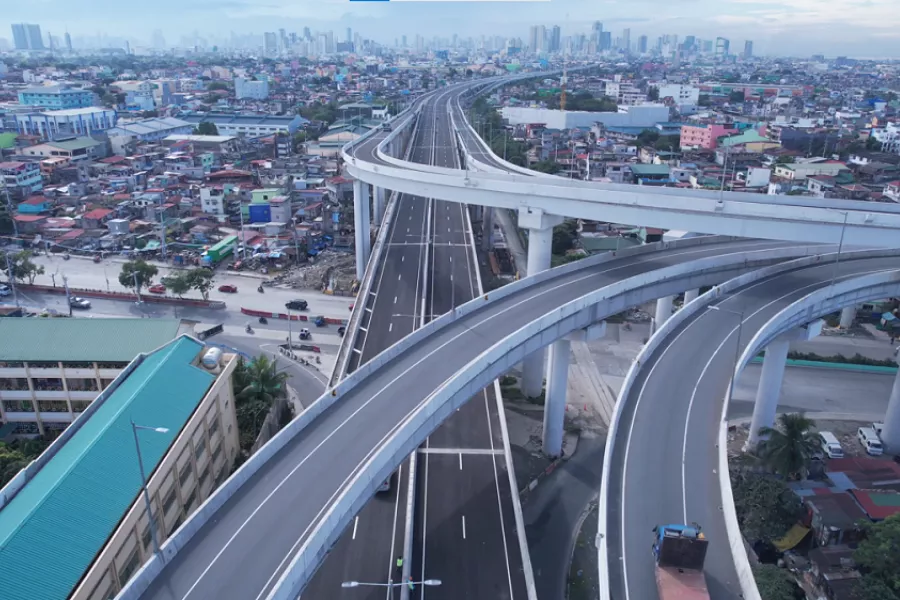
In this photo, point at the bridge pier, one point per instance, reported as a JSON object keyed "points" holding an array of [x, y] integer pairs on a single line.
{"points": [[540, 245], [378, 204], [771, 378], [487, 227], [663, 312], [361, 226], [890, 435], [848, 315], [691, 295], [557, 384]]}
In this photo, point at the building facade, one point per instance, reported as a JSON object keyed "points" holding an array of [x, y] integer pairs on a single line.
{"points": [[152, 130], [56, 97], [248, 125], [703, 136], [27, 36], [246, 88], [63, 123], [74, 150], [21, 179]]}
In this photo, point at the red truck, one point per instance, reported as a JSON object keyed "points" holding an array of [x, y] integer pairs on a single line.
{"points": [[680, 551]]}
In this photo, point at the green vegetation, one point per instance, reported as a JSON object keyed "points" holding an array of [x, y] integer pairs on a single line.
{"points": [[21, 266], [856, 359], [547, 166], [217, 85], [137, 274], [651, 137], [766, 508], [775, 583], [16, 455], [256, 386], [200, 279], [489, 124], [564, 236], [327, 113], [878, 560], [177, 284], [206, 128], [790, 446]]}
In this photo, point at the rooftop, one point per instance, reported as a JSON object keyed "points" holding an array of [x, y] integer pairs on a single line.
{"points": [[78, 143], [148, 126], [102, 340], [74, 112], [218, 117], [44, 551], [212, 139]]}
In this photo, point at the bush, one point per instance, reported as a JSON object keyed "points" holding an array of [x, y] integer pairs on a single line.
{"points": [[507, 380]]}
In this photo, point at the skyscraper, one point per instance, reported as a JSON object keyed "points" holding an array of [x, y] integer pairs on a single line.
{"points": [[748, 49], [349, 35], [554, 45], [722, 46], [533, 44], [605, 40], [270, 42], [27, 36], [642, 44], [68, 42], [626, 40]]}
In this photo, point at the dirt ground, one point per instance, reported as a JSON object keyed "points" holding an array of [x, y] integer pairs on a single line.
{"points": [[845, 431]]}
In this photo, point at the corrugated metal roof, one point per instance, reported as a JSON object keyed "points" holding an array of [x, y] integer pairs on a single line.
{"points": [[113, 340], [56, 525]]}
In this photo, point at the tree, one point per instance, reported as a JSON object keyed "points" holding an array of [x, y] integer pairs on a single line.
{"points": [[137, 274], [564, 236], [878, 558], [648, 137], [177, 283], [256, 386], [790, 445], [872, 144], [765, 506], [547, 166], [668, 142], [653, 94], [775, 583], [784, 159], [108, 99], [206, 128], [736, 96], [217, 85], [874, 589], [200, 279], [22, 267]]}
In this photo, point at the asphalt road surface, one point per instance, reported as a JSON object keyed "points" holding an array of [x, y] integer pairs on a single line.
{"points": [[676, 404]]}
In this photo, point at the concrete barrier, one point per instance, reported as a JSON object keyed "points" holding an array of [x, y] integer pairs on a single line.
{"points": [[145, 297]]}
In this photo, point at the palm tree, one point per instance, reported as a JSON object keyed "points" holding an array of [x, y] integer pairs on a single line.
{"points": [[791, 445], [261, 382]]}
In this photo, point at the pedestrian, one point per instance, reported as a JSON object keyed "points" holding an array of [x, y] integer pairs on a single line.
{"points": [[400, 566]]}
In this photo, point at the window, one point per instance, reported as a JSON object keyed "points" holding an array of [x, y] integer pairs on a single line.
{"points": [[199, 449], [204, 476], [189, 502], [213, 426], [217, 452], [169, 501], [185, 474], [108, 593], [129, 567], [146, 538]]}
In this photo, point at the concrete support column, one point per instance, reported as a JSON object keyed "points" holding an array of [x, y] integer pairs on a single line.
{"points": [[691, 295], [663, 311], [540, 243], [361, 226], [848, 315], [890, 435], [378, 205], [487, 227], [555, 403], [769, 388]]}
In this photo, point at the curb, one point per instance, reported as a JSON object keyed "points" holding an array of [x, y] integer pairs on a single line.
{"points": [[523, 493], [146, 297], [821, 364]]}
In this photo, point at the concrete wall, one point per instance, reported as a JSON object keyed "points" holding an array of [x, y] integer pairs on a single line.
{"points": [[646, 115]]}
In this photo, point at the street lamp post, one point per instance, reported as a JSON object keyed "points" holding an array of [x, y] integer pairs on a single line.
{"points": [[390, 584], [737, 347], [837, 258], [146, 492]]}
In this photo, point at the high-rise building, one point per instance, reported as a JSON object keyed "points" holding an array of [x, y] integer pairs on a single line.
{"points": [[722, 46], [596, 31], [554, 45], [307, 34], [270, 42], [626, 40], [403, 41], [159, 42], [642, 44], [349, 35], [68, 42], [748, 49], [605, 40], [27, 36]]}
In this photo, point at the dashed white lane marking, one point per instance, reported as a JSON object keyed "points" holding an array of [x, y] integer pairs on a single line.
{"points": [[355, 525], [395, 299], [390, 327], [464, 526]]}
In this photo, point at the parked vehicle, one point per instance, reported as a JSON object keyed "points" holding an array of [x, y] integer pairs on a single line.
{"points": [[869, 440], [680, 551], [263, 320], [228, 288], [305, 334], [97, 258], [5, 290], [78, 302], [157, 288], [297, 305], [342, 330], [878, 427], [320, 321], [830, 445]]}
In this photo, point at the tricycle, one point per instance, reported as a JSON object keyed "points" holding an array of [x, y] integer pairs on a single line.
{"points": [[320, 321]]}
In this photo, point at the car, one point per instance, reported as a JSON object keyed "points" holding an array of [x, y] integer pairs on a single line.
{"points": [[228, 288], [296, 305], [868, 439], [157, 288], [79, 302], [4, 290]]}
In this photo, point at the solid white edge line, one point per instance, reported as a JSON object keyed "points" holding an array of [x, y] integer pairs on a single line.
{"points": [[391, 566]]}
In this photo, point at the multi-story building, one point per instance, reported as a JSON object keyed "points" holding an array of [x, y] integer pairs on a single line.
{"points": [[180, 396], [703, 136], [248, 125], [55, 97], [680, 93], [27, 36], [246, 88], [723, 45], [152, 130], [21, 179], [52, 369], [888, 136], [748, 49], [75, 149], [799, 171], [65, 123]]}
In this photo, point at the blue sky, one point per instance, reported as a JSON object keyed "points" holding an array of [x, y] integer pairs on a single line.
{"points": [[865, 28]]}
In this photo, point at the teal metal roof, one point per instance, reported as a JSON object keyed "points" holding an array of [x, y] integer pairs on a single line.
{"points": [[103, 340], [54, 527]]}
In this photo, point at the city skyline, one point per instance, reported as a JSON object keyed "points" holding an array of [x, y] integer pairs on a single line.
{"points": [[790, 27]]}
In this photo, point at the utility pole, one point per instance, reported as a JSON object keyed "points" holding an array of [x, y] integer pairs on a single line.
{"points": [[68, 298], [12, 281]]}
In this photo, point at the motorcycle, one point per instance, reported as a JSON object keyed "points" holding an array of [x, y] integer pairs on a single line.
{"points": [[66, 257], [249, 329], [261, 290], [263, 320], [318, 361]]}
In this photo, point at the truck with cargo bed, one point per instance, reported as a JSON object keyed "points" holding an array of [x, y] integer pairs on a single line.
{"points": [[680, 551]]}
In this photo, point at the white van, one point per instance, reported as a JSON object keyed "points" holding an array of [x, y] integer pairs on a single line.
{"points": [[878, 427], [830, 445], [869, 440]]}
